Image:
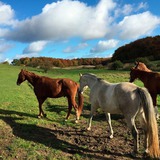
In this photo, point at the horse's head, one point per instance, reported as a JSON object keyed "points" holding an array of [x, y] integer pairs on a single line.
{"points": [[83, 84], [141, 66], [133, 75], [21, 77]]}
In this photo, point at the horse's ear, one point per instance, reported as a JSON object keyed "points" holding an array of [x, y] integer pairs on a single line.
{"points": [[136, 62], [132, 68]]}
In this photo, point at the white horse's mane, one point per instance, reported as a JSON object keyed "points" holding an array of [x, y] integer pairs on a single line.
{"points": [[92, 75]]}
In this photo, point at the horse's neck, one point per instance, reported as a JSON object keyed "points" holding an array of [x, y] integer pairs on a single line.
{"points": [[142, 76], [91, 82], [32, 78], [144, 68]]}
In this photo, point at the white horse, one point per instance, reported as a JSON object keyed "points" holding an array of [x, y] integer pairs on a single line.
{"points": [[127, 99]]}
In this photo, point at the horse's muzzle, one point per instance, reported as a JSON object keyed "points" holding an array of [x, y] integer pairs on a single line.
{"points": [[81, 92], [18, 83]]}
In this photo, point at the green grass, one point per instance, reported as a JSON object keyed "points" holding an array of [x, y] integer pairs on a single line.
{"points": [[22, 134]]}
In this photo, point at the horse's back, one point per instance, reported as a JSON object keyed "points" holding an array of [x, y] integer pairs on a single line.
{"points": [[127, 97], [54, 88], [114, 98], [152, 82]]}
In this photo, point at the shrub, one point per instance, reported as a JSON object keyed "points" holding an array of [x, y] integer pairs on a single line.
{"points": [[117, 65]]}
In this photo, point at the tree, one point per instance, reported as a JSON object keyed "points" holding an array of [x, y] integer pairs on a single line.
{"points": [[16, 62], [46, 65], [116, 65]]}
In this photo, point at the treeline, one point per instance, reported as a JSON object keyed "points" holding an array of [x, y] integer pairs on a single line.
{"points": [[146, 50], [147, 47], [43, 62]]}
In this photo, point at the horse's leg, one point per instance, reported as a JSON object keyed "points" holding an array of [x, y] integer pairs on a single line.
{"points": [[41, 113], [156, 108], [69, 108], [154, 98], [74, 104], [90, 122], [156, 112], [108, 118], [144, 126], [132, 126], [93, 109]]}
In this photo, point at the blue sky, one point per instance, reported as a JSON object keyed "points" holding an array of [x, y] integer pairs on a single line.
{"points": [[73, 29]]}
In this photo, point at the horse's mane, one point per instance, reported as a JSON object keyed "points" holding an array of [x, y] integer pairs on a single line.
{"points": [[142, 71], [93, 75], [31, 73]]}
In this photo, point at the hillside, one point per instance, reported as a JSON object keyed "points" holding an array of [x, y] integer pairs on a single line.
{"points": [[147, 47]]}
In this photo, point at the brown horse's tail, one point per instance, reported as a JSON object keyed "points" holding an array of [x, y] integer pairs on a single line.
{"points": [[152, 129], [80, 101]]}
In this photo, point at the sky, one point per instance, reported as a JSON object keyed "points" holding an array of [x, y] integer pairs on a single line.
{"points": [[71, 29]]}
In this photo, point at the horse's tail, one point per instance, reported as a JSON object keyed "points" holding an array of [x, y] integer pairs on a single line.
{"points": [[80, 101], [151, 123]]}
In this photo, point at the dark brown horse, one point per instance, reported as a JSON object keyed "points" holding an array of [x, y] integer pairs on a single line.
{"points": [[45, 87], [151, 81], [142, 66]]}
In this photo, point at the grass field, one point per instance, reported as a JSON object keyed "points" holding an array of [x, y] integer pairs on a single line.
{"points": [[22, 134]]}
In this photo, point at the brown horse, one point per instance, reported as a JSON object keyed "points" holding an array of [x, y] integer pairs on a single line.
{"points": [[151, 81], [142, 66], [45, 87]]}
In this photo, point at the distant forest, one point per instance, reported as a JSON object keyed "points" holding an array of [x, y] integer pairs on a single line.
{"points": [[43, 62], [148, 48]]}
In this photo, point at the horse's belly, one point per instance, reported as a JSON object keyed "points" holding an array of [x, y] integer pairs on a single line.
{"points": [[110, 107], [108, 102]]}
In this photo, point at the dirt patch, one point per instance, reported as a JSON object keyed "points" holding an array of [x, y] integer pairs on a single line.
{"points": [[96, 144], [72, 139]]}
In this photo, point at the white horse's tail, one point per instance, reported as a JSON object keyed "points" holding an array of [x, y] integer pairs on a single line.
{"points": [[152, 128]]}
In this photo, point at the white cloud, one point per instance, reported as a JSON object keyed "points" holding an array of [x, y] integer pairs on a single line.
{"points": [[75, 48], [65, 19], [129, 9], [102, 46], [142, 5], [6, 14], [35, 47], [137, 25]]}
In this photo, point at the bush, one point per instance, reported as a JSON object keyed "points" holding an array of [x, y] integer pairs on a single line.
{"points": [[143, 60], [117, 65]]}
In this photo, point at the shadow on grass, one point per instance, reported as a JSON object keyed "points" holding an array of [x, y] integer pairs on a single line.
{"points": [[12, 112], [99, 116], [49, 137]]}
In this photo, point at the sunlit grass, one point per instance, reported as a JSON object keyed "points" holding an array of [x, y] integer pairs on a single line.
{"points": [[19, 110]]}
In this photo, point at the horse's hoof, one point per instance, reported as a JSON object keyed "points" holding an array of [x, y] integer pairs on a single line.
{"points": [[66, 120], [76, 121], [111, 136], [88, 129], [39, 117], [146, 155], [133, 154]]}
